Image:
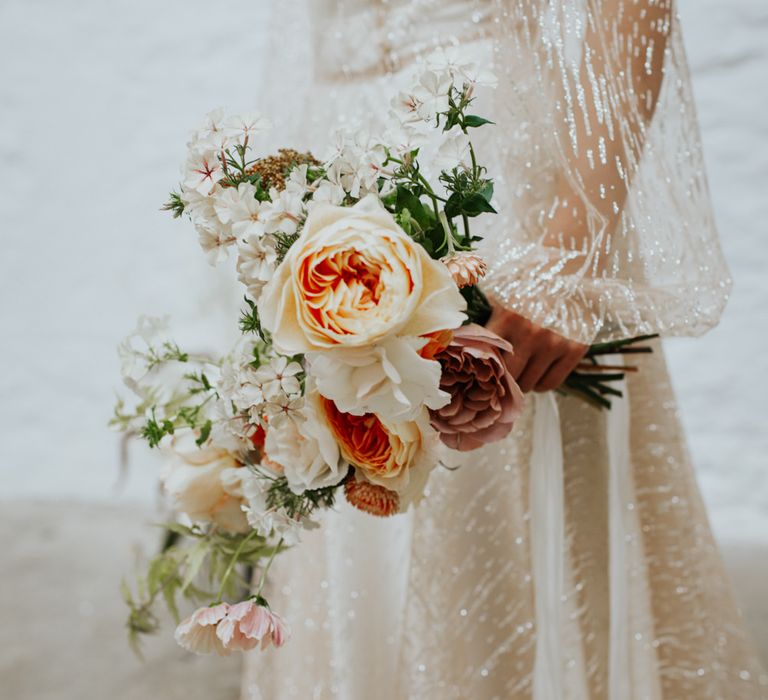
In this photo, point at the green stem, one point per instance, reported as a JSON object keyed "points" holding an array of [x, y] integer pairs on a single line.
{"points": [[474, 159], [263, 579], [233, 561], [448, 233]]}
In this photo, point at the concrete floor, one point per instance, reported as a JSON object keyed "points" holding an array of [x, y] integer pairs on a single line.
{"points": [[62, 636]]}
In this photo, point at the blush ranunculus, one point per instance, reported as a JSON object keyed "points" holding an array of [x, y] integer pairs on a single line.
{"points": [[353, 278], [485, 399]]}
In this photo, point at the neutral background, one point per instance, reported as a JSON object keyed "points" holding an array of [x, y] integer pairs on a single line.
{"points": [[96, 99]]}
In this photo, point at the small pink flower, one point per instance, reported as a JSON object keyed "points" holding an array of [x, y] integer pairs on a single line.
{"points": [[248, 623], [198, 633]]}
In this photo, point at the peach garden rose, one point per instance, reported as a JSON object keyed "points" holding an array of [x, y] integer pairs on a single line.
{"points": [[354, 278], [393, 455]]}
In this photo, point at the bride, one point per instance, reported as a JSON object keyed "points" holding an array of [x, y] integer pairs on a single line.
{"points": [[574, 560]]}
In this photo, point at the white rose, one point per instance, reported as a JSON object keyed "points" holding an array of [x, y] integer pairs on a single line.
{"points": [[306, 448], [353, 278], [202, 483], [389, 379]]}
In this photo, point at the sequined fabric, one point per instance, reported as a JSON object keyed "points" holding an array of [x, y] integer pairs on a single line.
{"points": [[439, 604]]}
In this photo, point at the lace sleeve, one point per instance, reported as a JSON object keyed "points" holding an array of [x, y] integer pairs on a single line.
{"points": [[608, 230]]}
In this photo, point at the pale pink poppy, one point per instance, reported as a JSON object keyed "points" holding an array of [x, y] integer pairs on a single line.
{"points": [[249, 624], [198, 632]]}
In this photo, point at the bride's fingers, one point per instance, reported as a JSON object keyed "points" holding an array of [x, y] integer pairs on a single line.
{"points": [[536, 368], [559, 371], [517, 364], [556, 374]]}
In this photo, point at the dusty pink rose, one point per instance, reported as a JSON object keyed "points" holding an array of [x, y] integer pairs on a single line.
{"points": [[249, 624], [485, 399], [198, 632]]}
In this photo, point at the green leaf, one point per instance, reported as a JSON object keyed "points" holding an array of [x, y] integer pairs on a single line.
{"points": [[478, 306], [205, 433], [473, 121], [408, 200], [194, 559], [406, 221], [486, 191], [476, 204], [169, 596], [125, 591]]}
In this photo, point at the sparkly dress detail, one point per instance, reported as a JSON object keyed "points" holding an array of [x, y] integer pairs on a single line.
{"points": [[574, 560]]}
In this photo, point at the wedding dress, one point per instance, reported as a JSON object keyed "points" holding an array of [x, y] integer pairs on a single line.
{"points": [[574, 560]]}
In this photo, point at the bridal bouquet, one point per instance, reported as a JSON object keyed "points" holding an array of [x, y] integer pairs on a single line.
{"points": [[363, 348]]}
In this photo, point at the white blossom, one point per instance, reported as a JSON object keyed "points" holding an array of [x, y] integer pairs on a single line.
{"points": [[329, 189], [149, 370], [215, 241], [283, 407], [461, 66], [365, 157], [297, 183], [240, 208], [427, 98], [256, 263], [200, 206], [202, 171], [404, 138], [278, 377], [246, 126], [453, 152], [211, 136], [284, 212]]}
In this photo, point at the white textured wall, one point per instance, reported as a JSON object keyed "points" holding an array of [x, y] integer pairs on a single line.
{"points": [[95, 99]]}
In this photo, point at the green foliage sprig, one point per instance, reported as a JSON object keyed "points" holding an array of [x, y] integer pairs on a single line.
{"points": [[200, 560]]}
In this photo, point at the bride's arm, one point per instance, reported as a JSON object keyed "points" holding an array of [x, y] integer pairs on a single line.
{"points": [[601, 155]]}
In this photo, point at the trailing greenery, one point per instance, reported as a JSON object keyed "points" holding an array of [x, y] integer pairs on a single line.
{"points": [[187, 570]]}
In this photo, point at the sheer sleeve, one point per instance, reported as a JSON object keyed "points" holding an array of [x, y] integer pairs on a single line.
{"points": [[607, 225]]}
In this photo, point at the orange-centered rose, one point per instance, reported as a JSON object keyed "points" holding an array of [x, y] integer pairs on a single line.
{"points": [[353, 278], [384, 453]]}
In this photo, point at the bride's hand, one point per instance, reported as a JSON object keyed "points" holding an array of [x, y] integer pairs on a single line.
{"points": [[542, 359]]}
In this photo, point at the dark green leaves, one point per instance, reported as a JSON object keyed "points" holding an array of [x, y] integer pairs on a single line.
{"points": [[473, 121], [407, 200], [471, 205], [154, 431], [478, 306]]}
